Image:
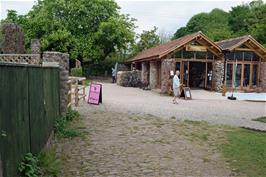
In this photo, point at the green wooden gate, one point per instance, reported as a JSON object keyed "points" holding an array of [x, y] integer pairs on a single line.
{"points": [[29, 104]]}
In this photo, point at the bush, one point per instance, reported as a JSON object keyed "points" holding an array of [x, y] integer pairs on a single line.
{"points": [[29, 166], [77, 72]]}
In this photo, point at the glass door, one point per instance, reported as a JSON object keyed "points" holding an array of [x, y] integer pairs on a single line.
{"points": [[209, 75], [229, 75], [246, 78], [185, 71]]}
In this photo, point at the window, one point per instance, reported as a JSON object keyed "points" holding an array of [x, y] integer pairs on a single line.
{"points": [[179, 54], [238, 75], [229, 56], [239, 56], [255, 57], [188, 54], [246, 75], [229, 75], [248, 56], [209, 55], [254, 74], [201, 55]]}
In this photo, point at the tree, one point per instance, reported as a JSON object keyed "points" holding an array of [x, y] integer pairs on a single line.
{"points": [[88, 30], [147, 39], [213, 24], [164, 36]]}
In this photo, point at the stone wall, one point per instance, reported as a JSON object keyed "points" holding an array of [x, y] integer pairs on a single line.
{"points": [[129, 78], [63, 61], [35, 46], [153, 74], [145, 73], [167, 66], [218, 75], [13, 40], [123, 67], [262, 81]]}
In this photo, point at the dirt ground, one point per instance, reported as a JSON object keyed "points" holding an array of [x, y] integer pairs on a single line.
{"points": [[119, 144], [207, 106]]}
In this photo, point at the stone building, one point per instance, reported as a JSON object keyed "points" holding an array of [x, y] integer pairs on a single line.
{"points": [[203, 63]]}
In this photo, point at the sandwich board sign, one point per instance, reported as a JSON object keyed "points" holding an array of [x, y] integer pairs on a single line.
{"points": [[95, 94], [186, 93]]}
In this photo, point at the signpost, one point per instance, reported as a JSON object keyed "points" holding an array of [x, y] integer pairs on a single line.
{"points": [[95, 94]]}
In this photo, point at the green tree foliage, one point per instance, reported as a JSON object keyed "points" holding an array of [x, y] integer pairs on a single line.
{"points": [[241, 20], [213, 24], [147, 39], [88, 30]]}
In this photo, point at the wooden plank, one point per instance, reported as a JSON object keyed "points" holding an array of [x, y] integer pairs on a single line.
{"points": [[196, 48], [36, 103], [14, 122]]}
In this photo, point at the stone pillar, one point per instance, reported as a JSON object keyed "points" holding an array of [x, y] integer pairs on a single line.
{"points": [[167, 66], [153, 74], [63, 61], [35, 46], [262, 81], [144, 72], [218, 75], [13, 40]]}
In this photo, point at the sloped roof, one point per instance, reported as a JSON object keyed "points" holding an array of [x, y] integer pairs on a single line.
{"points": [[248, 40], [164, 49], [230, 44]]}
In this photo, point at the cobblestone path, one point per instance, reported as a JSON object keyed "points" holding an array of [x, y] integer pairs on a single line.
{"points": [[132, 145]]}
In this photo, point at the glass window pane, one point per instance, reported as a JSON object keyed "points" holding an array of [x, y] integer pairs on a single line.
{"points": [[209, 55], [229, 56], [229, 75], [255, 57], [248, 56], [254, 74], [178, 54], [201, 55], [188, 54], [246, 75], [238, 72], [239, 56]]}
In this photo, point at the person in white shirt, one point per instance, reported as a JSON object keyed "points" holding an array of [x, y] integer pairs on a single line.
{"points": [[176, 86]]}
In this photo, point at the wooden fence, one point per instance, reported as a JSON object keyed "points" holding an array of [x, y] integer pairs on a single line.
{"points": [[76, 90], [29, 104]]}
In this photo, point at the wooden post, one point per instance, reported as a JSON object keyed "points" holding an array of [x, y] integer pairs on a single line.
{"points": [[76, 94], [84, 86]]}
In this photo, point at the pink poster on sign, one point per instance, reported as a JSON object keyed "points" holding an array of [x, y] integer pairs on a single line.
{"points": [[95, 94]]}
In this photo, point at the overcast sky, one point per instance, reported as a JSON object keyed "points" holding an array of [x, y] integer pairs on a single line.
{"points": [[166, 15]]}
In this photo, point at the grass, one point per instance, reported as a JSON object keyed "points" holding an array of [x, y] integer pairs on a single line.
{"points": [[261, 119], [68, 126], [246, 151], [48, 162], [87, 82]]}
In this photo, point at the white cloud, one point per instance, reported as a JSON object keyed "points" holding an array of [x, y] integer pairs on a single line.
{"points": [[169, 15]]}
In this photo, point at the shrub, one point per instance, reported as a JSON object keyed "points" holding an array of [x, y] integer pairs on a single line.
{"points": [[29, 166], [77, 72]]}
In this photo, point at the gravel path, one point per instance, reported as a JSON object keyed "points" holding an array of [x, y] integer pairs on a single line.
{"points": [[207, 106], [119, 144]]}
